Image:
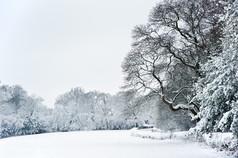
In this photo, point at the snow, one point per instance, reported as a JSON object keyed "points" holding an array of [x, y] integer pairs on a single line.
{"points": [[155, 133], [152, 135], [218, 139], [182, 106], [102, 144]]}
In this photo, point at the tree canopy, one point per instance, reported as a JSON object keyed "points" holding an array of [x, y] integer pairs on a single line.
{"points": [[167, 52]]}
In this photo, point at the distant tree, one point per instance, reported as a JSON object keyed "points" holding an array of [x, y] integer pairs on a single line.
{"points": [[153, 111], [16, 96], [78, 110], [20, 113], [167, 52], [131, 108]]}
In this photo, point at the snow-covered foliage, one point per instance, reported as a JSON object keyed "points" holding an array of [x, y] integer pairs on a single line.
{"points": [[219, 140], [167, 52], [80, 110], [21, 114], [217, 93]]}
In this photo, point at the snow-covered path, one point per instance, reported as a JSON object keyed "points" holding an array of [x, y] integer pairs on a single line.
{"points": [[98, 144]]}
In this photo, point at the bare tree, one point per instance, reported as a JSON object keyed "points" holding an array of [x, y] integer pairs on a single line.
{"points": [[167, 52]]}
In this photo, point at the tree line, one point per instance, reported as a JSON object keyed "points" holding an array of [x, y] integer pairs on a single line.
{"points": [[23, 114], [186, 55]]}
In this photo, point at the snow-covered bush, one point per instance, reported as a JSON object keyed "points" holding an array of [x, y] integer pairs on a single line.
{"points": [[11, 126], [33, 126], [21, 114], [234, 125]]}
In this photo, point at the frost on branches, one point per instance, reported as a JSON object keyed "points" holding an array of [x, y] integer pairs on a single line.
{"points": [[21, 114], [217, 92]]}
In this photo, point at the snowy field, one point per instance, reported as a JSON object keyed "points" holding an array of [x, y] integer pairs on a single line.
{"points": [[99, 144]]}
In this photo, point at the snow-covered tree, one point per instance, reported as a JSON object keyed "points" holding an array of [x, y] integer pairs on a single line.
{"points": [[20, 113], [133, 110], [80, 110], [217, 92], [167, 52]]}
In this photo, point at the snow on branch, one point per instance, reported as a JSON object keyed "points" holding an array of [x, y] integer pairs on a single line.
{"points": [[182, 106]]}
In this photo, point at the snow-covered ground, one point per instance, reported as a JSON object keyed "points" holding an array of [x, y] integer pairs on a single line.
{"points": [[99, 144]]}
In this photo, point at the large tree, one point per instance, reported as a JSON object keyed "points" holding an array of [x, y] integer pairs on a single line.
{"points": [[217, 92], [167, 52]]}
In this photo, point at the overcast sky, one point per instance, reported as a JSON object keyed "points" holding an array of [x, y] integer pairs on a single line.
{"points": [[51, 46]]}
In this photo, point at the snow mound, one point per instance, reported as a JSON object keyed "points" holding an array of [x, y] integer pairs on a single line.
{"points": [[219, 140], [158, 134]]}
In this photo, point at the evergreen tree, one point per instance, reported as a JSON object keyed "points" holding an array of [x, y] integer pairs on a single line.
{"points": [[217, 92]]}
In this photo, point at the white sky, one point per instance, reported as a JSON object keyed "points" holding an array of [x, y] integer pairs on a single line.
{"points": [[51, 46]]}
